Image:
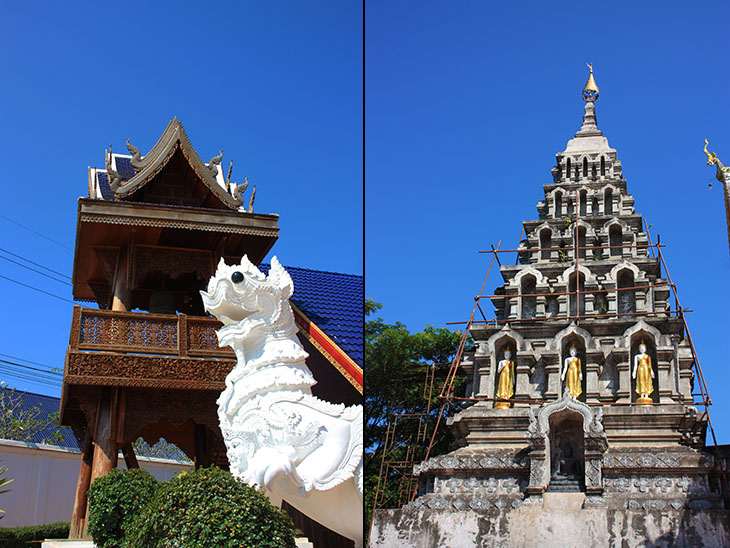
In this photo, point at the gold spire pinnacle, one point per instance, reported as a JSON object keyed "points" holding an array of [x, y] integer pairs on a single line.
{"points": [[590, 91]]}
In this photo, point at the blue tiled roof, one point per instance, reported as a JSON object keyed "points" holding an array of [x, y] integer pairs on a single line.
{"points": [[124, 168], [46, 405], [106, 190], [334, 302]]}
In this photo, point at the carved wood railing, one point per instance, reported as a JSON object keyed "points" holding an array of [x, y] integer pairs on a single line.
{"points": [[141, 333]]}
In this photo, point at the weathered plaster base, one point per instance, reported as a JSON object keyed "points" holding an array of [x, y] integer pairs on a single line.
{"points": [[552, 523]]}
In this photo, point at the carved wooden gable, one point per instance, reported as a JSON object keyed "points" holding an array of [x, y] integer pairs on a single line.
{"points": [[172, 173]]}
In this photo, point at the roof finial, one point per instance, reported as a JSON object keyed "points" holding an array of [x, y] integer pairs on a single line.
{"points": [[590, 91]]}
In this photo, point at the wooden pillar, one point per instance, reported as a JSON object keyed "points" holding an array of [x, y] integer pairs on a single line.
{"points": [[78, 521], [121, 295], [106, 449]]}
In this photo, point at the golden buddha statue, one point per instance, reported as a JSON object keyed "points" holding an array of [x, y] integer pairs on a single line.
{"points": [[506, 383], [644, 375], [572, 368]]}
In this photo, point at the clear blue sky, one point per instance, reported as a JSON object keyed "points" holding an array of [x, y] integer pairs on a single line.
{"points": [[277, 85], [467, 104]]}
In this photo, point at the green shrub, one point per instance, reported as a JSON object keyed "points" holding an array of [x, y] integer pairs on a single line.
{"points": [[209, 508], [115, 500], [19, 537]]}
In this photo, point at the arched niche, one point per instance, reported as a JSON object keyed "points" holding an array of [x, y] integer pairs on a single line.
{"points": [[577, 297], [608, 201], [572, 331], [561, 423], [567, 451], [502, 341], [587, 274], [581, 241], [566, 343], [528, 299], [636, 340], [626, 296], [546, 235], [615, 239], [583, 197], [558, 201], [499, 340], [528, 271], [653, 338]]}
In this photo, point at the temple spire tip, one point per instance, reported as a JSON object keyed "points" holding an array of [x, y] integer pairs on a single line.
{"points": [[590, 91]]}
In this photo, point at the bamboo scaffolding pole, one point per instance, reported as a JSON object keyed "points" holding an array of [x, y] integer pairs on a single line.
{"points": [[582, 292], [531, 249], [573, 317]]}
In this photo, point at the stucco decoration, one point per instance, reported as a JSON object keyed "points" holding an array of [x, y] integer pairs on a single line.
{"points": [[278, 436]]}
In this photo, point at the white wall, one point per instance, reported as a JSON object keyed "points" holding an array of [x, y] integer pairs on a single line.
{"points": [[45, 478]]}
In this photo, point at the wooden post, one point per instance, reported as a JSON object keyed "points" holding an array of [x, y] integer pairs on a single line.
{"points": [[75, 338], [78, 521], [182, 335], [121, 295], [130, 459], [106, 449]]}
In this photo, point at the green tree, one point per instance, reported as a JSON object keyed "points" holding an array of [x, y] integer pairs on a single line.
{"points": [[397, 364], [22, 423]]}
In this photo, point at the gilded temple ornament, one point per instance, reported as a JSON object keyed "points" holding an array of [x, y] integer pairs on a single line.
{"points": [[590, 91], [712, 160]]}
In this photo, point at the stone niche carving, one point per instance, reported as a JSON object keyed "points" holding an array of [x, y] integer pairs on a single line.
{"points": [[567, 442]]}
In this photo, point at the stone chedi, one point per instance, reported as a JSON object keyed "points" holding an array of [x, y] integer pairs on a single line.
{"points": [[277, 434], [600, 445]]}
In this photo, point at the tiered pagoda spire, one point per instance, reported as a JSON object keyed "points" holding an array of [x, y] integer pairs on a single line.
{"points": [[582, 385]]}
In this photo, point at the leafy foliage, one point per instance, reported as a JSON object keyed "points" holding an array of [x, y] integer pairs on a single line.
{"points": [[3, 482], [397, 364], [209, 508], [115, 500], [22, 423], [22, 537]]}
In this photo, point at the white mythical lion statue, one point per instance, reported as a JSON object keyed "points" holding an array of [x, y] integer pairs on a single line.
{"points": [[278, 436]]}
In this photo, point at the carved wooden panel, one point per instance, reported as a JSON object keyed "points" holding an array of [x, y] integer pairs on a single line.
{"points": [[102, 292], [202, 336], [134, 332], [172, 262], [107, 257], [128, 332], [101, 368]]}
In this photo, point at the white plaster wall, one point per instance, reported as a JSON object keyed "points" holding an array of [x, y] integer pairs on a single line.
{"points": [[45, 479]]}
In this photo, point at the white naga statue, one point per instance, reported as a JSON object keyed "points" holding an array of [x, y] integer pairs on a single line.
{"points": [[278, 436]]}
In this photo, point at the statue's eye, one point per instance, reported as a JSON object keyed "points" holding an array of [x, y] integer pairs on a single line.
{"points": [[236, 277]]}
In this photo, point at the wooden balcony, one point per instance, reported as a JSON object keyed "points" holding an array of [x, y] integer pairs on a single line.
{"points": [[132, 349]]}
